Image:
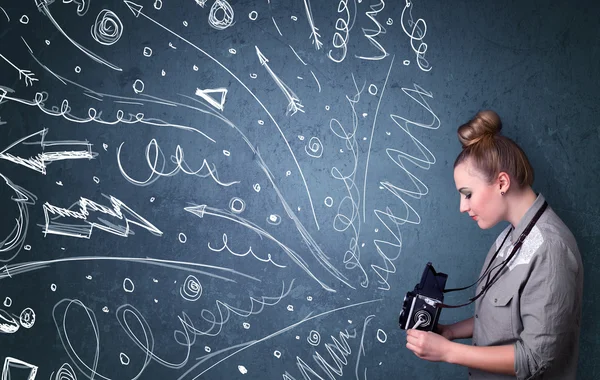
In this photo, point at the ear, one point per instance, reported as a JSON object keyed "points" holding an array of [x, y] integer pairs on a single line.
{"points": [[503, 182]]}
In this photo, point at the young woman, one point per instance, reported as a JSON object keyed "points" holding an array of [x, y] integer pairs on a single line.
{"points": [[527, 320]]}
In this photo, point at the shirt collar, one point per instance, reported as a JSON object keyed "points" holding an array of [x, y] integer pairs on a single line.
{"points": [[524, 222]]}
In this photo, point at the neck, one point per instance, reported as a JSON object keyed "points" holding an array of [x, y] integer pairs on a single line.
{"points": [[519, 203]]}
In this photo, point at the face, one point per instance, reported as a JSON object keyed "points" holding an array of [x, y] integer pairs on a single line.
{"points": [[480, 199]]}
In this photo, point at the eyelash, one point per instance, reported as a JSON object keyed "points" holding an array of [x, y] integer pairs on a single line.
{"points": [[468, 196]]}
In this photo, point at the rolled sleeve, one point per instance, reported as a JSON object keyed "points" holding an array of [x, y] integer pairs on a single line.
{"points": [[548, 306]]}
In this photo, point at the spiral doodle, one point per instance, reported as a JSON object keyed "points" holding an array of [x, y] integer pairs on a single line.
{"points": [[221, 15], [191, 290], [274, 219], [237, 205], [27, 318], [65, 372], [107, 29], [314, 338], [314, 147]]}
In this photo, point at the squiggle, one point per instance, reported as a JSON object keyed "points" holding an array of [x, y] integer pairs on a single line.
{"points": [[60, 313], [342, 34], [410, 215], [204, 210], [93, 114], [339, 352], [371, 34], [342, 220], [177, 159], [215, 325], [419, 29], [361, 349], [225, 246], [247, 345], [16, 238]]}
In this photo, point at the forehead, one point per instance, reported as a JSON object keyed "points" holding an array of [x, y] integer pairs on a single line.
{"points": [[466, 175]]}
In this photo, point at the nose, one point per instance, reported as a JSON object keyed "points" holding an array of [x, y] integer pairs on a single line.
{"points": [[464, 205]]}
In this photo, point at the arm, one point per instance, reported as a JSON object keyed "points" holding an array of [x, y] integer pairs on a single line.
{"points": [[497, 359], [458, 330], [431, 346], [550, 308]]}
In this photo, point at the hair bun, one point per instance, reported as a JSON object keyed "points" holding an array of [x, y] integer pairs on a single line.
{"points": [[486, 123]]}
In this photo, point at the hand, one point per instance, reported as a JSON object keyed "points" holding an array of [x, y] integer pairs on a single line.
{"points": [[428, 345]]}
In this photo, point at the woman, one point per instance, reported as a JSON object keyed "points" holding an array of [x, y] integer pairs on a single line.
{"points": [[527, 320]]}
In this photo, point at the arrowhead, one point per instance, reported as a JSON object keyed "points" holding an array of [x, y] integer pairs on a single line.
{"points": [[136, 9], [196, 210], [261, 57], [207, 95]]}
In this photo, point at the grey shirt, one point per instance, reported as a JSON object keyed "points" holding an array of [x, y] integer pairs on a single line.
{"points": [[536, 303]]}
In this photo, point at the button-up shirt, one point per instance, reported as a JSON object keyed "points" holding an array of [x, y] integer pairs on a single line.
{"points": [[535, 305]]}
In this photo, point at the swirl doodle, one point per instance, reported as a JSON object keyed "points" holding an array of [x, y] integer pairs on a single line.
{"points": [[65, 372], [314, 147], [221, 15], [107, 29], [191, 290], [314, 338]]}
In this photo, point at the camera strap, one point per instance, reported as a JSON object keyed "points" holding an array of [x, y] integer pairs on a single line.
{"points": [[504, 263]]}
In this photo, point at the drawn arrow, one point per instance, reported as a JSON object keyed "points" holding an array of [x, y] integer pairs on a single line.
{"points": [[85, 227], [261, 57], [136, 9], [39, 162], [294, 104]]}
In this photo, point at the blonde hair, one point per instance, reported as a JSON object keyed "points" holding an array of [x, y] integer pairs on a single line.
{"points": [[492, 153]]}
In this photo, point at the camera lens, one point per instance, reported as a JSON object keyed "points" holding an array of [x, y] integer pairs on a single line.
{"points": [[423, 315]]}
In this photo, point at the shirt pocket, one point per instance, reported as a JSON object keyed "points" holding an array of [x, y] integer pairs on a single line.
{"points": [[501, 306]]}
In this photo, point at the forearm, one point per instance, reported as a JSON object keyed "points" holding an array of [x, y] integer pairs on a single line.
{"points": [[497, 359], [462, 329]]}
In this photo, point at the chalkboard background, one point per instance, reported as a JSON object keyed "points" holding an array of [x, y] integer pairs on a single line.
{"points": [[247, 189]]}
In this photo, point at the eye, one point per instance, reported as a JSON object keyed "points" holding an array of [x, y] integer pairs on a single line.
{"points": [[468, 196]]}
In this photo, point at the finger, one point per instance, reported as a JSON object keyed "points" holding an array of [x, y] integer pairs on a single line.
{"points": [[413, 340], [414, 349], [411, 346]]}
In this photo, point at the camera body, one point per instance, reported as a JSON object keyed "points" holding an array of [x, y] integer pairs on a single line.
{"points": [[423, 303]]}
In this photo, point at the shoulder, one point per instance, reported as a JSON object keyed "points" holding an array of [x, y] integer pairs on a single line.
{"points": [[555, 232], [556, 244]]}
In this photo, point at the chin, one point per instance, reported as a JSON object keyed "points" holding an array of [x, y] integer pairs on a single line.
{"points": [[486, 226]]}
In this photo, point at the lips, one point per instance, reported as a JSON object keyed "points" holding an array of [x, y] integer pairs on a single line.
{"points": [[474, 217]]}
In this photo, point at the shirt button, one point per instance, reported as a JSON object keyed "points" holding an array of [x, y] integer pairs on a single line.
{"points": [[476, 316], [469, 373], [495, 300]]}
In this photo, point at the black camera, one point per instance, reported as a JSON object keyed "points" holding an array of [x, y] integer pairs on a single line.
{"points": [[421, 307]]}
